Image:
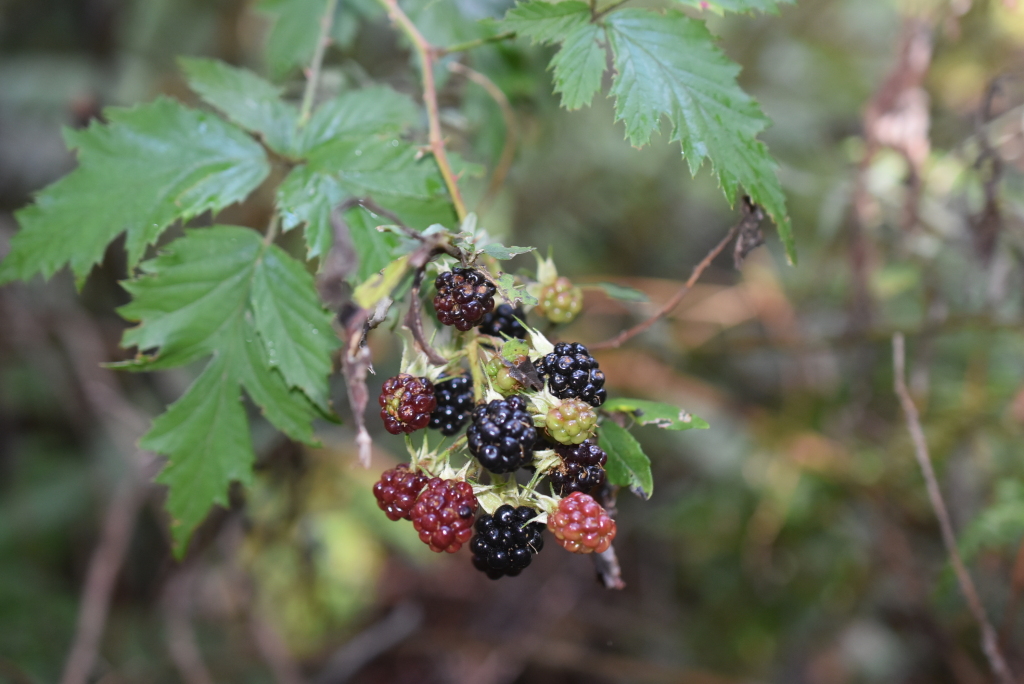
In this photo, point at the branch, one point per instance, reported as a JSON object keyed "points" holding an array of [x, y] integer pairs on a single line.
{"points": [[989, 641], [313, 75], [414, 321], [752, 217], [508, 152], [427, 54], [470, 44]]}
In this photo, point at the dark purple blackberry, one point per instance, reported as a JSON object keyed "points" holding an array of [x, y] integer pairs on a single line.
{"points": [[502, 321], [502, 435], [572, 372], [454, 404], [505, 542], [581, 470], [463, 296], [406, 403]]}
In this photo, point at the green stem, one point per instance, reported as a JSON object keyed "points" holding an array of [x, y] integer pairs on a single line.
{"points": [[470, 44], [313, 77], [473, 349]]}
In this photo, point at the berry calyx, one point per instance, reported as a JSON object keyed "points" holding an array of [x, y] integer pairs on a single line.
{"points": [[463, 296], [503, 322], [572, 372], [454, 404], [581, 469], [581, 525], [502, 435], [506, 542], [406, 403], [561, 301], [397, 489], [571, 422], [443, 514]]}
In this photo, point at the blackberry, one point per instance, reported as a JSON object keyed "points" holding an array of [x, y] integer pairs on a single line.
{"points": [[443, 514], [581, 469], [580, 525], [502, 321], [502, 435], [454, 404], [505, 542], [397, 490], [572, 372], [406, 403], [571, 422], [463, 296], [561, 301]]}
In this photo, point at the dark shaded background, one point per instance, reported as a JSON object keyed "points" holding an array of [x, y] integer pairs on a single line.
{"points": [[792, 542]]}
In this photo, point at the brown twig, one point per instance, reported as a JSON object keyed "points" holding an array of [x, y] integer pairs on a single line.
{"points": [[606, 564], [414, 321], [508, 151], [989, 639], [401, 623], [752, 216], [427, 53]]}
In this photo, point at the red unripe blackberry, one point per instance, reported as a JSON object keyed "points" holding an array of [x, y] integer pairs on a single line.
{"points": [[580, 525], [397, 490], [463, 296], [443, 514], [572, 372], [406, 403], [454, 404], [506, 541], [502, 436], [504, 321], [581, 469]]}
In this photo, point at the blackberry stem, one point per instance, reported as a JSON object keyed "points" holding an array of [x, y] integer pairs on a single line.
{"points": [[475, 370]]}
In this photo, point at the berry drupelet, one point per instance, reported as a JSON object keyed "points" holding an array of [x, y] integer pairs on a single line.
{"points": [[572, 372], [463, 296], [506, 541], [561, 301], [571, 422], [502, 436], [580, 525], [443, 514], [406, 403], [397, 490], [454, 404], [581, 469], [503, 322]]}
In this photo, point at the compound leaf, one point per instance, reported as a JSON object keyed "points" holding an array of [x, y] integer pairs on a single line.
{"points": [[627, 465], [245, 98], [149, 166], [294, 35], [357, 113]]}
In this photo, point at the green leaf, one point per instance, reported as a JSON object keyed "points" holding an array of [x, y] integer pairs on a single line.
{"points": [[999, 525], [382, 284], [245, 98], [503, 253], [719, 6], [669, 65], [373, 247], [358, 113], [149, 166], [294, 35], [579, 65], [655, 413], [627, 465], [220, 291], [621, 292]]}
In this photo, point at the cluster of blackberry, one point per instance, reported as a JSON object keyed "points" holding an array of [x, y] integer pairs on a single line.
{"points": [[502, 437]]}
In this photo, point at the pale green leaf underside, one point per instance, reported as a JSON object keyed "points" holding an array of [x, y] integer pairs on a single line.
{"points": [[245, 98], [150, 165], [656, 413], [627, 464], [220, 291]]}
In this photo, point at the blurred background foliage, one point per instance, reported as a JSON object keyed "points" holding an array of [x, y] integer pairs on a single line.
{"points": [[791, 542]]}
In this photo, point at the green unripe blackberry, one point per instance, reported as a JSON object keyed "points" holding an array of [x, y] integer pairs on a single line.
{"points": [[561, 301], [571, 422]]}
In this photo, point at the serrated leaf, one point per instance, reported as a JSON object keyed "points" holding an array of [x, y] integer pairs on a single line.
{"points": [[220, 291], [150, 165], [622, 293], [580, 63], [503, 253], [628, 465], [766, 6], [293, 36], [374, 248], [669, 65], [245, 98], [358, 113], [656, 413], [512, 293]]}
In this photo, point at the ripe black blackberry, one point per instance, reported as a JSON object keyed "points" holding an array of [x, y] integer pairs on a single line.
{"points": [[454, 404], [502, 321], [463, 296], [502, 436], [572, 372], [581, 470], [505, 542]]}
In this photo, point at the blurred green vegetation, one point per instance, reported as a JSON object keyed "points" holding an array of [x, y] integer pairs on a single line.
{"points": [[791, 542]]}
